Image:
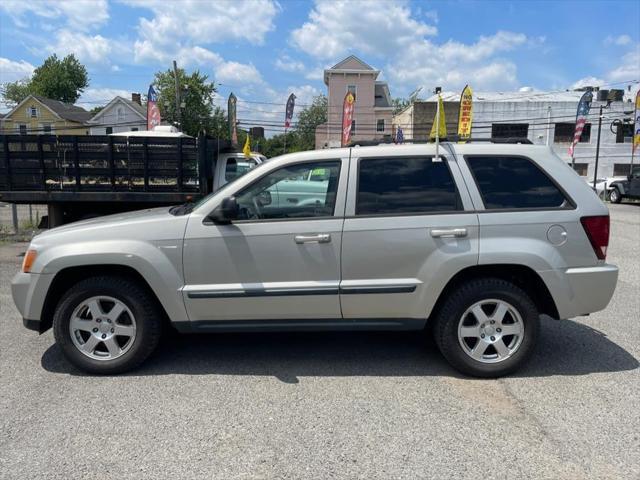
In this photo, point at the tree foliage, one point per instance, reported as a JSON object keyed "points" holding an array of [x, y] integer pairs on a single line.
{"points": [[196, 96], [399, 104], [308, 119], [62, 80]]}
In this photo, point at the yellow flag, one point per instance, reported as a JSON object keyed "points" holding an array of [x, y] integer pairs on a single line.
{"points": [[439, 127], [247, 147]]}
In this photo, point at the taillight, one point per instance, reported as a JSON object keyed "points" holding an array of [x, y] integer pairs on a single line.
{"points": [[597, 229]]}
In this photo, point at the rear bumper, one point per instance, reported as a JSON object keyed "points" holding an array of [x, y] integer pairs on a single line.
{"points": [[580, 291]]}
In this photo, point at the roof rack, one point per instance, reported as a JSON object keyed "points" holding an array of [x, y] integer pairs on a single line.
{"points": [[452, 138]]}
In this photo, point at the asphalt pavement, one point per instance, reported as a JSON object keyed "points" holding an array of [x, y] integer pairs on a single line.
{"points": [[331, 405]]}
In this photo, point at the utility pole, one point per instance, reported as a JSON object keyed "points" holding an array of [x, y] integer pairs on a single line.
{"points": [[178, 108], [549, 129]]}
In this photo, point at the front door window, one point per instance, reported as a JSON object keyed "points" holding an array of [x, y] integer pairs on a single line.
{"points": [[304, 190]]}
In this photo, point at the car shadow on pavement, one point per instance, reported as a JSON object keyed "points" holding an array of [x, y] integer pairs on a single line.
{"points": [[565, 348]]}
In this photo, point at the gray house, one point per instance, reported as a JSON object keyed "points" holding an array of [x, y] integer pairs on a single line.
{"points": [[119, 115]]}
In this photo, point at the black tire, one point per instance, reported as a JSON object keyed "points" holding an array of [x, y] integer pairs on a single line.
{"points": [[615, 196], [447, 319], [140, 302]]}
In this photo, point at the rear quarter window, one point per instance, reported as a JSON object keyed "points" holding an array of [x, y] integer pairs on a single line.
{"points": [[508, 182]]}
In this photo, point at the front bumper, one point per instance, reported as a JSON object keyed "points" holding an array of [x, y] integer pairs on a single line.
{"points": [[580, 291], [29, 291]]}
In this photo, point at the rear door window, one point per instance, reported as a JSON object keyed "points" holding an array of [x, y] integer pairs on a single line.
{"points": [[514, 183], [407, 185]]}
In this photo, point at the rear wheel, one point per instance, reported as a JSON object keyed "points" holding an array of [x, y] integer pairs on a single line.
{"points": [[107, 324], [487, 327], [614, 196]]}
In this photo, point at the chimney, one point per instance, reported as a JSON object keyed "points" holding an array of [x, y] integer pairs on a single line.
{"points": [[135, 97]]}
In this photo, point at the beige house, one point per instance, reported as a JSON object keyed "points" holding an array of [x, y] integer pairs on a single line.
{"points": [[39, 115], [373, 109]]}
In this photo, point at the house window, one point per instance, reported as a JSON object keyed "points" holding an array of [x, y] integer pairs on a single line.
{"points": [[22, 129], [352, 89], [353, 127], [621, 169], [32, 112], [580, 168], [45, 128], [563, 133], [109, 130], [624, 133], [134, 129], [509, 130], [120, 113], [380, 125]]}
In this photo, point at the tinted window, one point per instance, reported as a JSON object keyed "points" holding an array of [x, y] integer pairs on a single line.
{"points": [[295, 191], [513, 182], [509, 130], [405, 185]]}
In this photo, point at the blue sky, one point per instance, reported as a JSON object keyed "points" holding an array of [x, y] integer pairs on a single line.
{"points": [[265, 49]]}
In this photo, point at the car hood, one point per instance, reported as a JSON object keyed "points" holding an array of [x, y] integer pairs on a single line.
{"points": [[149, 224]]}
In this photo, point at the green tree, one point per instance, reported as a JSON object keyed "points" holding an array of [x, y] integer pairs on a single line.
{"points": [[399, 104], [196, 95], [63, 80], [308, 119]]}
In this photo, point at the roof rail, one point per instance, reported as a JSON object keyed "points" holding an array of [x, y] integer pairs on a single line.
{"points": [[452, 138]]}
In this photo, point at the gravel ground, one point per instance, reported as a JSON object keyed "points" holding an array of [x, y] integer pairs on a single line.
{"points": [[362, 405]]}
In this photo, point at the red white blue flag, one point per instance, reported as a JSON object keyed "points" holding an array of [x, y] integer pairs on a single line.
{"points": [[153, 112], [581, 119], [291, 103]]}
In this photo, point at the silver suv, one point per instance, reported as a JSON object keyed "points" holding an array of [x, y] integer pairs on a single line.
{"points": [[477, 242]]}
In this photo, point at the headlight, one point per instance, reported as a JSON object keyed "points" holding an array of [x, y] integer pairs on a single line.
{"points": [[28, 260]]}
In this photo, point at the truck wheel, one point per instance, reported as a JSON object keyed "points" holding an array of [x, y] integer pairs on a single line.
{"points": [[614, 196], [487, 327], [107, 324]]}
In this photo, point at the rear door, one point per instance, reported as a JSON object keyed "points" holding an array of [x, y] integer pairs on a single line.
{"points": [[409, 227]]}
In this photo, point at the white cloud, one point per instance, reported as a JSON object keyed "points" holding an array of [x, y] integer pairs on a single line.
{"points": [[627, 70], [620, 40], [90, 49], [588, 82], [206, 21], [78, 14], [336, 27], [95, 97], [453, 64], [10, 70], [288, 64]]}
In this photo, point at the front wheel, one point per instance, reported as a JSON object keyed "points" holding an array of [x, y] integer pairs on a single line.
{"points": [[487, 327], [107, 324], [614, 196]]}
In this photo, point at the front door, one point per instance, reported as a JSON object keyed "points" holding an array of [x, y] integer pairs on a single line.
{"points": [[281, 259]]}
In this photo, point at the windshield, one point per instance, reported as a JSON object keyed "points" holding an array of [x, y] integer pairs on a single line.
{"points": [[224, 188]]}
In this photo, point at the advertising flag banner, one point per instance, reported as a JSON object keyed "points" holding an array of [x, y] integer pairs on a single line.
{"points": [[291, 103], [636, 127], [581, 119], [348, 106], [466, 115], [439, 127], [232, 119], [153, 112], [247, 147]]}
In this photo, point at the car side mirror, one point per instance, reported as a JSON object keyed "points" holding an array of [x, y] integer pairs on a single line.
{"points": [[226, 212], [264, 198], [629, 177]]}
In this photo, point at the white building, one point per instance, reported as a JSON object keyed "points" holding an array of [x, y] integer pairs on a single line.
{"points": [[120, 115], [545, 118]]}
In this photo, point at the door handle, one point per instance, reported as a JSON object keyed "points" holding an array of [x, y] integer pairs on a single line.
{"points": [[316, 238], [448, 232]]}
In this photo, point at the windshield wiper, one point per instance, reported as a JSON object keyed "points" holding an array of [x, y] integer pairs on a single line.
{"points": [[182, 209]]}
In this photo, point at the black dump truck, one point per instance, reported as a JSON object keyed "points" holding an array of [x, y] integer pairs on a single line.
{"points": [[80, 177]]}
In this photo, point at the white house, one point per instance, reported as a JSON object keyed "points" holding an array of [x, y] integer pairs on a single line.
{"points": [[120, 115]]}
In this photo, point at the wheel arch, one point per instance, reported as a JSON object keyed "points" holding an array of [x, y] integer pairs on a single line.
{"points": [[520, 275], [69, 276]]}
